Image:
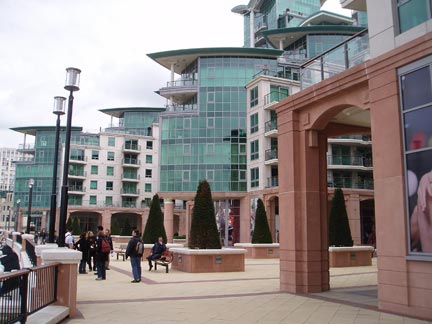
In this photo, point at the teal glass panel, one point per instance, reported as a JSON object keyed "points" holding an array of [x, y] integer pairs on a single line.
{"points": [[411, 13]]}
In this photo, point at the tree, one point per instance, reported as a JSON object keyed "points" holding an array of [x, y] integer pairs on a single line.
{"points": [[155, 224], [204, 233], [339, 230], [127, 229], [69, 222], [261, 233], [76, 228]]}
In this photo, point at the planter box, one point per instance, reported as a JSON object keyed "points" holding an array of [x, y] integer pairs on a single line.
{"points": [[208, 260], [350, 256], [260, 251]]}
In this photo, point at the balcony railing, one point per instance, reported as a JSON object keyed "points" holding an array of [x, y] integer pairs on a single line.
{"points": [[77, 188], [270, 125], [129, 191], [131, 161], [182, 83], [130, 176], [352, 51], [26, 147], [77, 173], [272, 182], [274, 96], [131, 147], [349, 183], [352, 160], [78, 158], [188, 107], [271, 154]]}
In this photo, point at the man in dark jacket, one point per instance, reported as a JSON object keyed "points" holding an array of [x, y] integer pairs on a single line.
{"points": [[156, 251], [135, 257]]}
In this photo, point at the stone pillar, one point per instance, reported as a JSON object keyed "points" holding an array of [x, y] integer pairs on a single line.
{"points": [[303, 209], [169, 218], [44, 220], [270, 211], [245, 220], [106, 219], [188, 216], [67, 275], [19, 221]]}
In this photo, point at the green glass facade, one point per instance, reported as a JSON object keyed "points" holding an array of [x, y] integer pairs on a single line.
{"points": [[211, 143]]}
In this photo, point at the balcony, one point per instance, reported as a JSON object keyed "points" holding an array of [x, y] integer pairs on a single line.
{"points": [[78, 159], [271, 157], [351, 139], [342, 182], [132, 192], [185, 107], [272, 182], [272, 98], [271, 128], [77, 175], [76, 190], [130, 147], [357, 162], [127, 177], [133, 163], [180, 91], [26, 148]]}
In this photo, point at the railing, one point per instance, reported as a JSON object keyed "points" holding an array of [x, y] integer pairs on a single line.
{"points": [[131, 176], [77, 174], [271, 154], [30, 250], [189, 107], [77, 188], [272, 182], [352, 51], [78, 158], [133, 147], [365, 138], [349, 183], [270, 125], [131, 161], [274, 96], [130, 191], [24, 292], [182, 83], [26, 146], [353, 160]]}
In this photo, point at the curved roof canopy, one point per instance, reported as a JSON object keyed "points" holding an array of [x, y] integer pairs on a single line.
{"points": [[31, 130], [292, 34], [119, 112], [182, 58], [326, 18]]}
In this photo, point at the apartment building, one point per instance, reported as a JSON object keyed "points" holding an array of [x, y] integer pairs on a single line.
{"points": [[7, 158]]}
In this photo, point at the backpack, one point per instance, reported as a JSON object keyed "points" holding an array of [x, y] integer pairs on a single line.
{"points": [[105, 246], [139, 248]]}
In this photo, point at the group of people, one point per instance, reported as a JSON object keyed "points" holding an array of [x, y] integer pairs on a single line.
{"points": [[98, 249], [94, 248]]}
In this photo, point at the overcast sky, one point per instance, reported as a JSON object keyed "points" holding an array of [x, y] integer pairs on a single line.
{"points": [[108, 40]]}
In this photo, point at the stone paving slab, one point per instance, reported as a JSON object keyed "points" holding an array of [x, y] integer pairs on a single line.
{"points": [[246, 297]]}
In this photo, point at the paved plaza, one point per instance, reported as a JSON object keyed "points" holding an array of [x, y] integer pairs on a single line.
{"points": [[246, 297]]}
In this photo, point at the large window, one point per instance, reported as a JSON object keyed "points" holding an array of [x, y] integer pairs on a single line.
{"points": [[110, 156], [412, 13], [94, 169], [111, 141], [253, 97], [95, 155], [254, 150], [254, 123], [93, 184], [254, 177], [109, 185], [93, 200], [110, 171], [416, 104]]}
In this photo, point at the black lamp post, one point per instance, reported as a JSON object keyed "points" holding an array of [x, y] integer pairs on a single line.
{"points": [[72, 84], [17, 215], [59, 109], [31, 184]]}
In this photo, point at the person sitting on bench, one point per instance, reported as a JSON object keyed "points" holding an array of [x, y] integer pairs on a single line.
{"points": [[156, 251]]}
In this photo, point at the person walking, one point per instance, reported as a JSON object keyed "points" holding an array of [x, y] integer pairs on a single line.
{"points": [[102, 252], [82, 245], [134, 250], [156, 252]]}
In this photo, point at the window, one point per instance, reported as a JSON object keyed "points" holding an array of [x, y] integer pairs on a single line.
{"points": [[148, 173], [210, 97], [109, 185], [110, 156], [108, 201], [210, 122], [210, 148], [93, 200], [186, 149], [254, 177], [94, 169], [254, 150], [187, 123], [95, 155], [253, 97], [111, 141], [110, 171], [254, 123], [186, 175], [149, 159], [93, 184], [210, 174], [149, 145], [412, 13], [148, 187]]}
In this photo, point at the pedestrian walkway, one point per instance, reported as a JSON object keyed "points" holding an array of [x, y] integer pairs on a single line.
{"points": [[246, 297]]}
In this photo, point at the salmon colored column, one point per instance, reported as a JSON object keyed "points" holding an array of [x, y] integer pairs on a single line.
{"points": [[302, 200], [169, 219], [244, 220], [106, 219]]}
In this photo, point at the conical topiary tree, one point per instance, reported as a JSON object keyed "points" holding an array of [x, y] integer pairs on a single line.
{"points": [[69, 222], [76, 228], [155, 223], [204, 233], [339, 229], [261, 233]]}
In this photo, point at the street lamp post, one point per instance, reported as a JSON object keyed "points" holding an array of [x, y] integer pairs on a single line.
{"points": [[17, 215], [72, 84], [31, 184], [59, 109]]}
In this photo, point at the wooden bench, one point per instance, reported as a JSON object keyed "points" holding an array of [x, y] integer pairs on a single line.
{"points": [[166, 258], [121, 251]]}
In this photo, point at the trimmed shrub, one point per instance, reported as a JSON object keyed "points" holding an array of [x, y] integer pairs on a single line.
{"points": [[261, 233], [204, 233], [339, 230], [155, 223]]}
